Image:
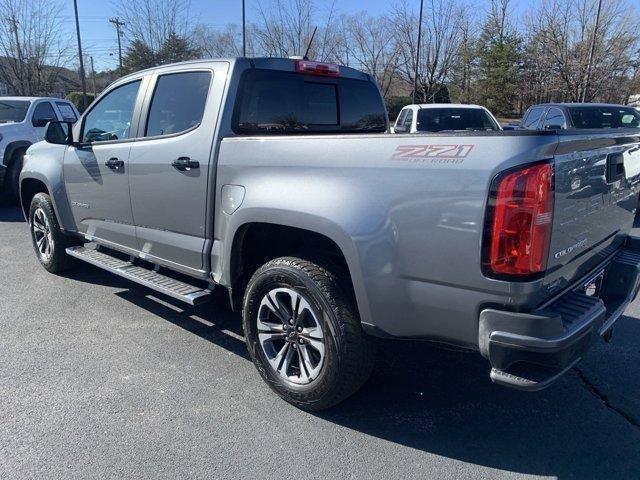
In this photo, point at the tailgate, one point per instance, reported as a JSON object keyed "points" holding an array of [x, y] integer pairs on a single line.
{"points": [[597, 178]]}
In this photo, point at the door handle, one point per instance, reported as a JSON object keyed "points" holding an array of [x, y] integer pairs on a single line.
{"points": [[114, 163], [615, 167], [185, 163]]}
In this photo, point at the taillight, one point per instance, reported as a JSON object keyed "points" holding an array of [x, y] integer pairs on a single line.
{"points": [[316, 68], [520, 222]]}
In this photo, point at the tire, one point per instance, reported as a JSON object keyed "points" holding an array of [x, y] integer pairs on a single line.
{"points": [[48, 240], [11, 187], [313, 359]]}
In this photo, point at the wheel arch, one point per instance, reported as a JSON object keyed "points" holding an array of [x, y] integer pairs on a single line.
{"points": [[305, 235], [12, 148]]}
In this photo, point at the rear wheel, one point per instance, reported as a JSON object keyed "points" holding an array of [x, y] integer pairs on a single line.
{"points": [[304, 335], [48, 240]]}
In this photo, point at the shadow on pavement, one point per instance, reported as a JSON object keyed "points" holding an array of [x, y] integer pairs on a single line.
{"points": [[442, 402], [10, 214]]}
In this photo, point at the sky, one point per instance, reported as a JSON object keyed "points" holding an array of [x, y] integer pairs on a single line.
{"points": [[99, 38]]}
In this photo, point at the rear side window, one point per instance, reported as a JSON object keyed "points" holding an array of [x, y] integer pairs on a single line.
{"points": [[604, 117], [178, 103], [532, 118], [67, 112], [274, 102]]}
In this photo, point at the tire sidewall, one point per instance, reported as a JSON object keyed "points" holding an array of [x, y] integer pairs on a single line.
{"points": [[43, 202], [290, 277]]}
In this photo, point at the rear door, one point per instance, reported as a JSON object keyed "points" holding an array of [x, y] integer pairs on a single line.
{"points": [[596, 195], [97, 172], [170, 165]]}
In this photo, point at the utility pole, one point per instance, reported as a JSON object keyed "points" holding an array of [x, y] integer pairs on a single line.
{"points": [[415, 73], [82, 79], [591, 53], [244, 32], [93, 78], [118, 24]]}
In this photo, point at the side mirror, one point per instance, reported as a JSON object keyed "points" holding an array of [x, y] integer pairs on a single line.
{"points": [[553, 127], [59, 133], [41, 122]]}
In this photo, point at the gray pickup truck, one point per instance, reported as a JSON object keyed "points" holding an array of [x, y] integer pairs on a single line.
{"points": [[276, 179]]}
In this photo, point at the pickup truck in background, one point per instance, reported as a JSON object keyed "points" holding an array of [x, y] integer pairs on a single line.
{"points": [[445, 117], [22, 123], [276, 180], [583, 116]]}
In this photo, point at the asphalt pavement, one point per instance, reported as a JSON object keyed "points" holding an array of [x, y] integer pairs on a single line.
{"points": [[101, 379]]}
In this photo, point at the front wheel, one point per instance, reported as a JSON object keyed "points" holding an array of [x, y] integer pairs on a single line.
{"points": [[304, 335], [49, 242]]}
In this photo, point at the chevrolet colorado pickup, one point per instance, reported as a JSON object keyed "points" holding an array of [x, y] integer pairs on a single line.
{"points": [[276, 179], [22, 123]]}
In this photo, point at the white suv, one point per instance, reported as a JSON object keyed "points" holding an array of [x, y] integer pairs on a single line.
{"points": [[22, 123]]}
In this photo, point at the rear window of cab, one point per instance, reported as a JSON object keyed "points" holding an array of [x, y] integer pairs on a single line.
{"points": [[277, 102]]}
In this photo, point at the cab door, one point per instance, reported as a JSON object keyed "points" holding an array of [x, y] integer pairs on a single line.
{"points": [[97, 170], [170, 165]]}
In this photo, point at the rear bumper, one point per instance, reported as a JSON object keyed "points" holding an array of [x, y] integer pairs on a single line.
{"points": [[529, 351]]}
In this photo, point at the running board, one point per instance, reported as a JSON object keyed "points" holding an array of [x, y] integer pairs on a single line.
{"points": [[190, 294]]}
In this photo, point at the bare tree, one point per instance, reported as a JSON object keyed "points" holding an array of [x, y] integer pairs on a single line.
{"points": [[285, 28], [441, 42], [368, 44], [564, 30], [32, 45], [222, 43], [153, 22]]}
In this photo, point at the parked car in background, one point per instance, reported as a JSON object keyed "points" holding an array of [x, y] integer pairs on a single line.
{"points": [[564, 116], [444, 117], [22, 123]]}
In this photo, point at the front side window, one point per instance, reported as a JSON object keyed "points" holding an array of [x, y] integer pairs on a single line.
{"points": [[532, 118], [455, 119], [276, 102], [43, 114], [12, 111], [178, 103], [111, 117], [604, 117], [67, 112], [408, 120], [554, 119]]}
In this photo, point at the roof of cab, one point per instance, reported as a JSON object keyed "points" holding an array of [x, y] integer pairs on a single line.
{"points": [[268, 63]]}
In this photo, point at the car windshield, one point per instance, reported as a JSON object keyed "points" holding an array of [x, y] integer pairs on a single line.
{"points": [[13, 110], [604, 117], [443, 119]]}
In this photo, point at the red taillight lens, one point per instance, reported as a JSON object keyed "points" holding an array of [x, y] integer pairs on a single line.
{"points": [[521, 222], [315, 68]]}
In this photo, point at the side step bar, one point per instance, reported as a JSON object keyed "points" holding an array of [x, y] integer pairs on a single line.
{"points": [[190, 294]]}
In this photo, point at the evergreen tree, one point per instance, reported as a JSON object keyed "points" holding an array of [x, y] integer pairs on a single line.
{"points": [[499, 55]]}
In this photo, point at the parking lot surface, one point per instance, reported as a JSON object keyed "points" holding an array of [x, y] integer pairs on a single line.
{"points": [[100, 378]]}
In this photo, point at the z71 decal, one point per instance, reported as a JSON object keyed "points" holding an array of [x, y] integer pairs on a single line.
{"points": [[433, 153]]}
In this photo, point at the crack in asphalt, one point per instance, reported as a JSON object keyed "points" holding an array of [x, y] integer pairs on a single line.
{"points": [[605, 400]]}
